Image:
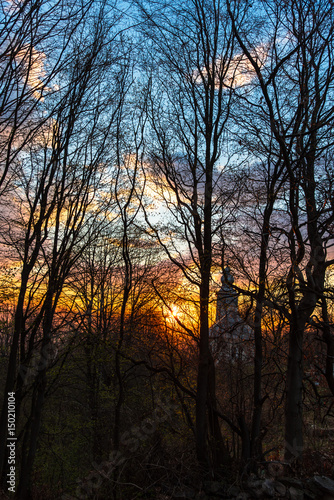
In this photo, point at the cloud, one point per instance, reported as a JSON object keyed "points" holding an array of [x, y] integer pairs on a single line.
{"points": [[32, 69], [240, 71]]}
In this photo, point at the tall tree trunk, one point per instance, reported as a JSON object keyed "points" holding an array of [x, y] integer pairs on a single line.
{"points": [[29, 451], [32, 431], [256, 442], [202, 386], [11, 374], [207, 422], [218, 449], [294, 401]]}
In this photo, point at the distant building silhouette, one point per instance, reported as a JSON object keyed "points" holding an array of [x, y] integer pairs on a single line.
{"points": [[230, 337]]}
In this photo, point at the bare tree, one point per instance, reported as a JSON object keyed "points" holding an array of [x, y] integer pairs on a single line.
{"points": [[190, 79], [293, 66], [56, 200], [35, 38]]}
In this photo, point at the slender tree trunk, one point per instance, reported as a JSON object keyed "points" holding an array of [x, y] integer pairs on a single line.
{"points": [[11, 375], [256, 443], [29, 453], [294, 401], [202, 386], [218, 448], [207, 423], [245, 440]]}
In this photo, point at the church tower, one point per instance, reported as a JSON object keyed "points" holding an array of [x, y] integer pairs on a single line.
{"points": [[230, 337], [227, 297]]}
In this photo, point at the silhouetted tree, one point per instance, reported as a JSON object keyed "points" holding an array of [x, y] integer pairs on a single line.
{"points": [[292, 99], [56, 200], [190, 76]]}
